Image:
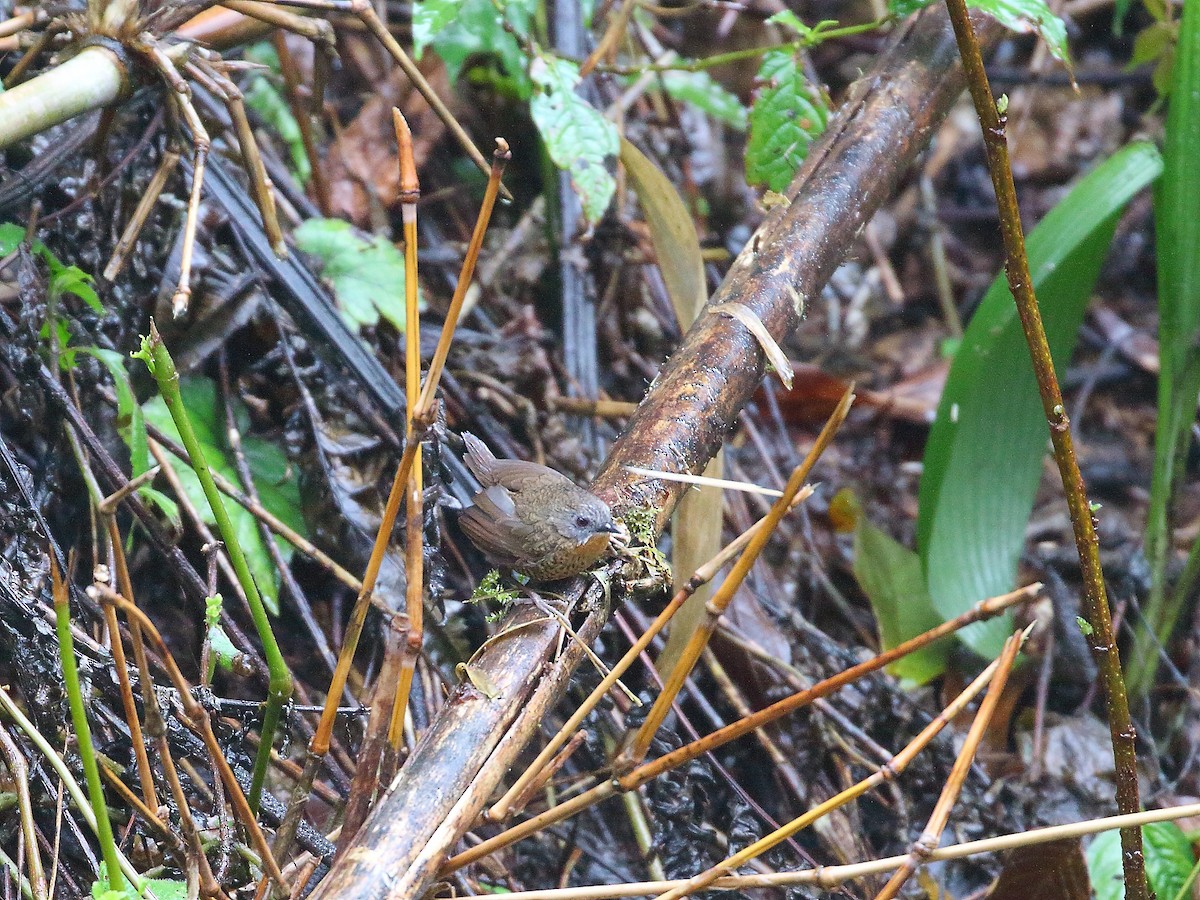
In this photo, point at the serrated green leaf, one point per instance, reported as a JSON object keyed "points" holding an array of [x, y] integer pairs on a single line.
{"points": [[787, 116], [429, 19], [1022, 16], [479, 31], [1169, 860], [707, 95], [367, 275], [265, 99], [277, 488], [974, 501], [1169, 857], [579, 139], [891, 577]]}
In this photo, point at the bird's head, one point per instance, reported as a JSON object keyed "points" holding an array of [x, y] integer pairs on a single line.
{"points": [[582, 522]]}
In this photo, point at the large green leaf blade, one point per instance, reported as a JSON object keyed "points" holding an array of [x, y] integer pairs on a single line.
{"points": [[672, 232], [429, 19], [983, 458], [891, 577], [1177, 242], [275, 483]]}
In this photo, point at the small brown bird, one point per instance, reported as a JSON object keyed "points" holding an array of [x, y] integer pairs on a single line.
{"points": [[532, 519]]}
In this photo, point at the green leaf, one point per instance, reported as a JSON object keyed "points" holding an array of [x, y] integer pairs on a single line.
{"points": [[707, 95], [429, 19], [223, 650], [579, 139], [62, 332], [1104, 866], [367, 275], [1169, 857], [673, 233], [891, 577], [11, 236], [1177, 240], [1153, 43], [163, 888], [72, 280], [787, 116], [1023, 16], [265, 99], [479, 31], [131, 426], [63, 279], [792, 22], [168, 888], [273, 478], [212, 609], [1169, 860], [975, 501], [900, 8]]}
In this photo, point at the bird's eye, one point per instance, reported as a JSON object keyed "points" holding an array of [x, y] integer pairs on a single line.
{"points": [[582, 521]]}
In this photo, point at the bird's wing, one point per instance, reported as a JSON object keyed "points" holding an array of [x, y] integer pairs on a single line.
{"points": [[479, 459], [493, 527], [518, 476]]}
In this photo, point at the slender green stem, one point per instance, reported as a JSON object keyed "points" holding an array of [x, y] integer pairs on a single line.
{"points": [[83, 732], [56, 762], [816, 36], [1020, 283], [279, 687]]}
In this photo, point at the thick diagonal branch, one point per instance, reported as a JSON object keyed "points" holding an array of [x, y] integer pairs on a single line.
{"points": [[687, 414]]}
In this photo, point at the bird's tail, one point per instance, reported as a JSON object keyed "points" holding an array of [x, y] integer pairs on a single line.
{"points": [[479, 459]]}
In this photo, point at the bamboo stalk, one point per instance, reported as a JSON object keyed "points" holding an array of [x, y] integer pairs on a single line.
{"points": [[414, 544]]}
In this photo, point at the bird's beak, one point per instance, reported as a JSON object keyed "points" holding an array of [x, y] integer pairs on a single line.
{"points": [[612, 528]]}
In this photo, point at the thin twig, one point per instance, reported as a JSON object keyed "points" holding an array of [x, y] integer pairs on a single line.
{"points": [[996, 671], [829, 877], [685, 754], [1020, 283], [721, 599], [19, 769], [200, 719], [932, 835]]}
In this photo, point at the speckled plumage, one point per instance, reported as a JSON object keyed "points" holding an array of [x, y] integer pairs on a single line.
{"points": [[532, 519]]}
